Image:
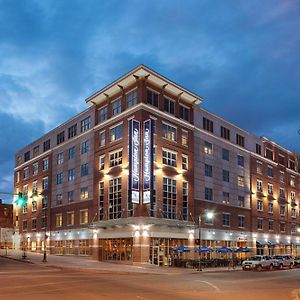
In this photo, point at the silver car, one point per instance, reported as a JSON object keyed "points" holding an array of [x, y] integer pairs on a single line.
{"points": [[284, 261]]}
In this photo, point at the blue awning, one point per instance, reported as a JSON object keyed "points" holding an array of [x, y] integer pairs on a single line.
{"points": [[181, 249], [224, 250], [204, 249]]}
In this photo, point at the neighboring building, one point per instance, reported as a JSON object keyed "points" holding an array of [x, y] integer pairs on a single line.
{"points": [[126, 179], [6, 225]]}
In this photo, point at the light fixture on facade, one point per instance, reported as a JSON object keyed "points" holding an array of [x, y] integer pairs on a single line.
{"points": [[137, 233]]}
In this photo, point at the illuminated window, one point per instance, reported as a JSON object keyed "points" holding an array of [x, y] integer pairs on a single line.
{"points": [[225, 198], [184, 137], [293, 195], [208, 148], [71, 174], [34, 205], [259, 167], [185, 161], [116, 106], [34, 187], [70, 218], [115, 198], [58, 220], [35, 168], [101, 162], [116, 133], [184, 201], [241, 201], [292, 181], [169, 132], [169, 198], [259, 185], [131, 98], [84, 193], [241, 181], [169, 158], [71, 195], [115, 158], [101, 201]]}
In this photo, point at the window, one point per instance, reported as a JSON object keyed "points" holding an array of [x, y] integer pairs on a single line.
{"points": [[101, 162], [208, 125], [102, 138], [71, 174], [26, 173], [59, 199], [34, 206], [35, 168], [241, 181], [208, 170], [225, 175], [225, 154], [132, 98], [60, 138], [24, 225], [59, 178], [270, 208], [240, 140], [152, 98], [293, 212], [282, 210], [84, 193], [44, 221], [240, 160], [259, 186], [184, 113], [45, 183], [281, 176], [292, 181], [260, 206], [208, 194], [271, 225], [241, 221], [70, 218], [185, 161], [258, 149], [293, 195], [34, 187], [84, 216], [226, 219], [116, 133], [225, 133], [184, 137], [169, 198], [282, 193], [270, 171], [24, 208], [184, 201], [115, 198], [26, 156], [270, 189], [115, 158], [71, 196], [293, 228], [169, 132], [85, 124], [169, 106], [292, 165], [208, 148], [60, 158], [259, 167], [58, 220], [72, 131], [102, 115], [269, 154], [45, 164], [282, 227], [241, 201], [259, 224], [33, 223], [18, 176], [44, 202], [85, 147], [225, 198], [46, 145], [101, 201], [207, 220], [84, 169], [281, 160], [71, 153], [36, 151], [169, 158], [116, 106]]}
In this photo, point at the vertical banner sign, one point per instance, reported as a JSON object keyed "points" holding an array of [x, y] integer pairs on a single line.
{"points": [[134, 160], [147, 161]]}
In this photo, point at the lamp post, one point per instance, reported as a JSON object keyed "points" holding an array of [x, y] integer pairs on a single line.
{"points": [[209, 216]]}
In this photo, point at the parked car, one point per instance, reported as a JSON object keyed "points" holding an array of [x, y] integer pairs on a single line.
{"points": [[258, 262], [297, 261], [282, 261]]}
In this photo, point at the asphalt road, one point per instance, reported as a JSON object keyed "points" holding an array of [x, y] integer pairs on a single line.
{"points": [[24, 281]]}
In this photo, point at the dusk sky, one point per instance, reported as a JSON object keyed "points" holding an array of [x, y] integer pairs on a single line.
{"points": [[242, 57]]}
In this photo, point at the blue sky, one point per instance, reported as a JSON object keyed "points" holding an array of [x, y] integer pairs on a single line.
{"points": [[243, 57]]}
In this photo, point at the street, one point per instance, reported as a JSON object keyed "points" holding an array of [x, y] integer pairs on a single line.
{"points": [[31, 281]]}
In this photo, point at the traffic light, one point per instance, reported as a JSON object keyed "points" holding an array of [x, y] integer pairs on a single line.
{"points": [[20, 200]]}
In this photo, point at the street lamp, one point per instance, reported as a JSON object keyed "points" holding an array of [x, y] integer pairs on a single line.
{"points": [[209, 216]]}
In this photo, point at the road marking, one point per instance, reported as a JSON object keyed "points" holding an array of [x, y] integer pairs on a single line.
{"points": [[210, 284], [143, 298]]}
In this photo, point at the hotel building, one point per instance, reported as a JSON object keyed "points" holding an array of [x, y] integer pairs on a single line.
{"points": [[127, 179]]}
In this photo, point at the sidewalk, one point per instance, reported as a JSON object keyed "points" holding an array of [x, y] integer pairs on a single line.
{"points": [[85, 264]]}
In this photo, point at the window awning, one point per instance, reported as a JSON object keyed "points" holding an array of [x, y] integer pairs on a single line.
{"points": [[261, 242]]}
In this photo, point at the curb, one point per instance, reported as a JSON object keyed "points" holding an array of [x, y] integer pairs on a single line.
{"points": [[17, 259]]}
